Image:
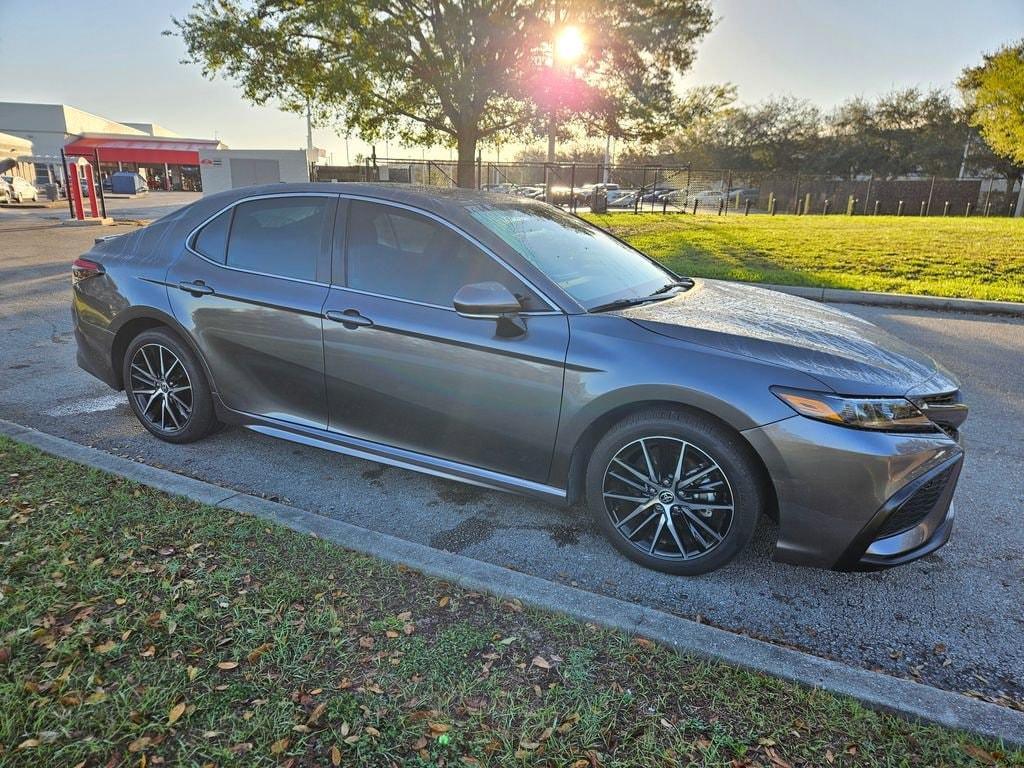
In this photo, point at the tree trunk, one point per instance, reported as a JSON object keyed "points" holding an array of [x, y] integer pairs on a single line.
{"points": [[465, 175]]}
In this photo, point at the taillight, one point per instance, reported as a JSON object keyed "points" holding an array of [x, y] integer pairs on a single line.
{"points": [[83, 269]]}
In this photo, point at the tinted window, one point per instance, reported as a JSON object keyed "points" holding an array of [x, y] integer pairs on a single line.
{"points": [[394, 252], [587, 263], [279, 235], [212, 239]]}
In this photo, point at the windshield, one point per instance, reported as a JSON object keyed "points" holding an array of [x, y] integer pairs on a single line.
{"points": [[589, 265]]}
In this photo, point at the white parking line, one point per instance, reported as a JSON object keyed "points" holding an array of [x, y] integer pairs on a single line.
{"points": [[105, 403]]}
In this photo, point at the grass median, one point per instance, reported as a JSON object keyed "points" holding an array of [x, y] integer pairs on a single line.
{"points": [[138, 628], [979, 258]]}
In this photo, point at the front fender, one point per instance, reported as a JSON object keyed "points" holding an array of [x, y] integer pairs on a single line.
{"points": [[614, 365]]}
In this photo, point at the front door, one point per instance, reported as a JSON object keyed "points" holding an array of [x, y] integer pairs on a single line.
{"points": [[404, 369], [251, 289]]}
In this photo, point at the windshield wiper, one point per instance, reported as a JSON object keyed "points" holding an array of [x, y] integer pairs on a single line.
{"points": [[658, 295], [669, 286]]}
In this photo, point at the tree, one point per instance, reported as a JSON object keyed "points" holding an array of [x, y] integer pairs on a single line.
{"points": [[451, 71], [902, 132], [994, 94]]}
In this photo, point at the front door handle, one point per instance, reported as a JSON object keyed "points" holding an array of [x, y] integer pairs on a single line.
{"points": [[196, 288], [350, 318]]}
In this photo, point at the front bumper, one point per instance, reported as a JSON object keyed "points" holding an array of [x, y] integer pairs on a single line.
{"points": [[858, 500]]}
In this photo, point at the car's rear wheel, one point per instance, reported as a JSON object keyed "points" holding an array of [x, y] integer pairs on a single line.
{"points": [[675, 491], [167, 388]]}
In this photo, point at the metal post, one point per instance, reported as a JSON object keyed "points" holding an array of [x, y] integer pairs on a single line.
{"points": [[654, 189], [103, 202], [970, 207], [640, 194], [695, 201], [479, 161], [924, 205], [867, 195], [746, 209], [826, 207], [572, 188], [945, 209], [796, 195], [931, 192], [899, 208], [67, 189], [878, 205]]}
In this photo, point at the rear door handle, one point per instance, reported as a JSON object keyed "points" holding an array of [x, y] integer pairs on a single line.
{"points": [[350, 318], [196, 288]]}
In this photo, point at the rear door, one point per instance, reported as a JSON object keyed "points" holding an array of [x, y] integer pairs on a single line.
{"points": [[405, 369], [250, 287]]}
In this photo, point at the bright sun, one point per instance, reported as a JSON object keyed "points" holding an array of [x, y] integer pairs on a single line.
{"points": [[569, 45]]}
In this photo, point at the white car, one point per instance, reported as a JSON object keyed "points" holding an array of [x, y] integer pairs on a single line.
{"points": [[21, 190]]}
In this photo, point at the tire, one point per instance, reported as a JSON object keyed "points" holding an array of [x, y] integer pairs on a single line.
{"points": [[174, 414], [673, 527]]}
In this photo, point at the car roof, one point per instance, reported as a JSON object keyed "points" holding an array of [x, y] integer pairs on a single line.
{"points": [[412, 194]]}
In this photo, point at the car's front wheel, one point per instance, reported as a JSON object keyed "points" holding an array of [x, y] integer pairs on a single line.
{"points": [[167, 387], [675, 491]]}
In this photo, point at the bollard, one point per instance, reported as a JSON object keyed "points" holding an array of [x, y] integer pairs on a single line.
{"points": [[924, 206], [746, 208], [988, 209], [826, 207], [695, 201], [899, 208], [878, 205], [771, 203], [721, 205], [807, 203], [967, 213], [945, 209], [851, 205]]}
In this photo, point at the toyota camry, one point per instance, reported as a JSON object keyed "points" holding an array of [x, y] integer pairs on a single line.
{"points": [[504, 342]]}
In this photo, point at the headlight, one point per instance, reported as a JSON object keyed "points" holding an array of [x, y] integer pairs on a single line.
{"points": [[886, 414]]}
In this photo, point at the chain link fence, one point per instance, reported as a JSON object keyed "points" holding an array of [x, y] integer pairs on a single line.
{"points": [[683, 189]]}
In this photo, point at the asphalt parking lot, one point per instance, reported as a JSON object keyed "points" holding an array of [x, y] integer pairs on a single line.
{"points": [[954, 619]]}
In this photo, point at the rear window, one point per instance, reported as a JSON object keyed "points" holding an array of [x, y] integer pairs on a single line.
{"points": [[279, 235]]}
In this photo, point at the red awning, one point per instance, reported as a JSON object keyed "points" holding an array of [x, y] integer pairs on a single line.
{"points": [[144, 149]]}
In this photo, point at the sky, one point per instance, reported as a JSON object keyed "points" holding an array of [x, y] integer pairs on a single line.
{"points": [[123, 68]]}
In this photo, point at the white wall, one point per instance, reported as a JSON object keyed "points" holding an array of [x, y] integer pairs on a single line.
{"points": [[50, 126], [250, 166]]}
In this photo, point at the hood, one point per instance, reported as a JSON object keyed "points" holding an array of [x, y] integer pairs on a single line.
{"points": [[847, 354]]}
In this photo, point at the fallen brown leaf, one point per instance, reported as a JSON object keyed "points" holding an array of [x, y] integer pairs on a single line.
{"points": [[176, 712]]}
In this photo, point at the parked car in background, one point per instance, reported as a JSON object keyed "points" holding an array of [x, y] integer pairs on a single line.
{"points": [[21, 190], [6, 193], [507, 343], [737, 197]]}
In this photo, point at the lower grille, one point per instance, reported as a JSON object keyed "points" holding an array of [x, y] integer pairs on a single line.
{"points": [[917, 507]]}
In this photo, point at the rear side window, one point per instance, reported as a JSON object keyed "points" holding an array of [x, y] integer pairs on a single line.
{"points": [[279, 235], [212, 240]]}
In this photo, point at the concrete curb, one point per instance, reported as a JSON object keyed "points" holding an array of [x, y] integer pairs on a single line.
{"points": [[905, 300], [905, 698]]}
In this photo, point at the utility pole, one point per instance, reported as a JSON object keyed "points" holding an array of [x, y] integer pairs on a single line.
{"points": [[309, 131], [963, 162]]}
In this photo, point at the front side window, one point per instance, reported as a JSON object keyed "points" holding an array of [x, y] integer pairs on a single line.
{"points": [[588, 264], [398, 253], [279, 235]]}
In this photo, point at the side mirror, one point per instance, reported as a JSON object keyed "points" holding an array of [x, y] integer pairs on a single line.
{"points": [[488, 299]]}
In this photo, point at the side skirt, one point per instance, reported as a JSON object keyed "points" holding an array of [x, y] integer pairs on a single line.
{"points": [[396, 457]]}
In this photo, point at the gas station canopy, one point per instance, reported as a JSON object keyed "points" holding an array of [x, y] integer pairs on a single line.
{"points": [[144, 149]]}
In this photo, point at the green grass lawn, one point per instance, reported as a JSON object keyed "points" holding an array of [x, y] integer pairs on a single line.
{"points": [[968, 258], [141, 629]]}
